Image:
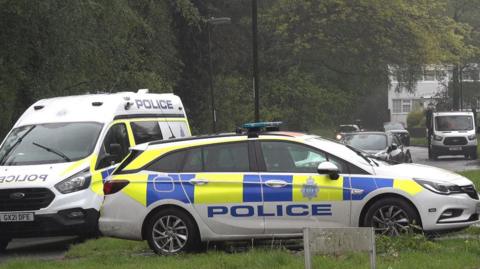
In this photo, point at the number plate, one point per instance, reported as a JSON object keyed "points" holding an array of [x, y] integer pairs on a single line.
{"points": [[17, 217], [455, 148]]}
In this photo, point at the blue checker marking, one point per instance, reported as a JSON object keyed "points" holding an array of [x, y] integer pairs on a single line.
{"points": [[346, 189], [363, 183], [252, 188], [106, 173], [282, 194], [384, 182], [161, 188]]}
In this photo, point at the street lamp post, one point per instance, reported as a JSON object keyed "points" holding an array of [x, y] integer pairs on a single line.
{"points": [[255, 60], [211, 22]]}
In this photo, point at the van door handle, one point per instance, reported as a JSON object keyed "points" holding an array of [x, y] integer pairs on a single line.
{"points": [[275, 183], [198, 181]]}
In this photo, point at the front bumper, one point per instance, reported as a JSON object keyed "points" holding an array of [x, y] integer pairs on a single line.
{"points": [[61, 223], [447, 150], [434, 210]]}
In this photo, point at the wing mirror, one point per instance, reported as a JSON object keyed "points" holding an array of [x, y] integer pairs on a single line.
{"points": [[328, 168], [393, 147]]}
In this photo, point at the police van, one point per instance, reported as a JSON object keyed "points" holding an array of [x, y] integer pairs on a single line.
{"points": [[56, 157], [258, 184]]}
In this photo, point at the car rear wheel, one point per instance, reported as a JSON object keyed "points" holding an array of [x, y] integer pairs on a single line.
{"points": [[408, 157], [171, 231], [392, 217], [4, 243]]}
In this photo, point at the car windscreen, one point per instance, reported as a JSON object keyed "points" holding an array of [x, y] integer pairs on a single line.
{"points": [[347, 129], [453, 123], [367, 141], [49, 143], [393, 126]]}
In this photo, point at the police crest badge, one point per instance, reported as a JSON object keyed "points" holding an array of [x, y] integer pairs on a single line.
{"points": [[310, 189]]}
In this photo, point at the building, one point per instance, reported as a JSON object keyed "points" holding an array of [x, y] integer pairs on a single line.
{"points": [[431, 87]]}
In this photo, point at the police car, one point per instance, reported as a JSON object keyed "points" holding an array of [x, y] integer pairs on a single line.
{"points": [[55, 159], [175, 194]]}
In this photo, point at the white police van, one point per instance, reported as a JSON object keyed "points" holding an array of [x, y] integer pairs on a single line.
{"points": [[56, 157]]}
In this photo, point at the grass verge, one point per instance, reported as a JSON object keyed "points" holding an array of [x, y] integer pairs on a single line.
{"points": [[412, 251]]}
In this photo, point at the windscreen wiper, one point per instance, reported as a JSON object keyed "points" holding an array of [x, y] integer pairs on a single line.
{"points": [[359, 153], [61, 154], [7, 153]]}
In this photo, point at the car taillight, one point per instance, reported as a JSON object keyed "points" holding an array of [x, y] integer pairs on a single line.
{"points": [[114, 186]]}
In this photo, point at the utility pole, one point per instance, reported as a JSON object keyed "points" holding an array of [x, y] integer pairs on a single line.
{"points": [[256, 81]]}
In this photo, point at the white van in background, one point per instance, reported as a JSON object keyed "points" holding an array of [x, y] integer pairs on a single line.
{"points": [[452, 133], [56, 157]]}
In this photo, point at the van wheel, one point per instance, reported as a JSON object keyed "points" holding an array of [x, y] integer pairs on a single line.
{"points": [[474, 155], [392, 217], [4, 243], [171, 231], [432, 155]]}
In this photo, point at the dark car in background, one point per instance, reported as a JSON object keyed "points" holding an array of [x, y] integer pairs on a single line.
{"points": [[398, 129], [380, 145], [345, 129]]}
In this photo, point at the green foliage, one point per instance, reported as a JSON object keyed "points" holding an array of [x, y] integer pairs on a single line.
{"points": [[416, 119]]}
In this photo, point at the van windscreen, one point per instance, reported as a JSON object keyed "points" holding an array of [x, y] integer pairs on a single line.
{"points": [[453, 123], [49, 143]]}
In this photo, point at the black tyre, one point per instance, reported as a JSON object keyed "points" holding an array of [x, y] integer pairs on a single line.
{"points": [[474, 155], [408, 157], [171, 231], [4, 243], [392, 216]]}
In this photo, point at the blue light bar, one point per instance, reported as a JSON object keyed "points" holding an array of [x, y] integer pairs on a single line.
{"points": [[260, 125]]}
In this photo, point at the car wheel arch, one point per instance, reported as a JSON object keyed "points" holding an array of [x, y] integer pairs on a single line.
{"points": [[376, 198], [163, 207]]}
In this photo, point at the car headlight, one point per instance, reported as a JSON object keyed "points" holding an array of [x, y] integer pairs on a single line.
{"points": [[437, 137], [77, 182], [339, 136], [440, 188], [472, 137]]}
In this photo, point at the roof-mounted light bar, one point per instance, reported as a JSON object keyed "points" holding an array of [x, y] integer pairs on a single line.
{"points": [[253, 128]]}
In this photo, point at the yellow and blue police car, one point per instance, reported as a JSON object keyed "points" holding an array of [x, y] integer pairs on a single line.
{"points": [[178, 193]]}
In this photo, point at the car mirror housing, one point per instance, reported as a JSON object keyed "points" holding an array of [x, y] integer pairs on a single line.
{"points": [[329, 169]]}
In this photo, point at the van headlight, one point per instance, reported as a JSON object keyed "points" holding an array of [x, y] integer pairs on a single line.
{"points": [[440, 188], [472, 137], [77, 182], [437, 137]]}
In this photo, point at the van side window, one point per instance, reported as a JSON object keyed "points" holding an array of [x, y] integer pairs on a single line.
{"points": [[146, 131], [114, 147], [168, 163]]}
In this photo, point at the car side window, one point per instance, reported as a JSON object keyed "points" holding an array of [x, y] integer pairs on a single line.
{"points": [[146, 131], [169, 163], [229, 157], [290, 157], [193, 160], [115, 146]]}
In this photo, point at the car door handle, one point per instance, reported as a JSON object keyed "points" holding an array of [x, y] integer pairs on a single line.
{"points": [[198, 181], [275, 183]]}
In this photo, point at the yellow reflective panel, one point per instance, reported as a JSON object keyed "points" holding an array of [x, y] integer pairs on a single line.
{"points": [[75, 165], [97, 182], [221, 188], [317, 188], [137, 188], [407, 185]]}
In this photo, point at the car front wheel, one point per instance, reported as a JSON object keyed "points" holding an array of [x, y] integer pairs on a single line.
{"points": [[392, 216], [171, 231]]}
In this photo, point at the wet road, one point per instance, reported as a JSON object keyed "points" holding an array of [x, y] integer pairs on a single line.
{"points": [[452, 163]]}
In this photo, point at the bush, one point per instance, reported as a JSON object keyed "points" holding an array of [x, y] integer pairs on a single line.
{"points": [[416, 118]]}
